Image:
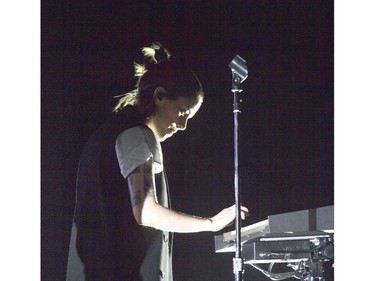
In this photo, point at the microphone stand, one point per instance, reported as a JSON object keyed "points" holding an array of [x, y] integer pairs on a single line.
{"points": [[239, 74]]}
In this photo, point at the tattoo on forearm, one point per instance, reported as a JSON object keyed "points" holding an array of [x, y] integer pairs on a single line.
{"points": [[149, 190], [141, 184], [137, 198]]}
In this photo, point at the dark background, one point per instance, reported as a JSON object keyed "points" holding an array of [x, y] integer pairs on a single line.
{"points": [[286, 122]]}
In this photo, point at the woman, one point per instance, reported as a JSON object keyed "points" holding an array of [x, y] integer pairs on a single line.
{"points": [[120, 237]]}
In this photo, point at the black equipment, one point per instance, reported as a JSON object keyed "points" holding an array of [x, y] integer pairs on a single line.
{"points": [[302, 240]]}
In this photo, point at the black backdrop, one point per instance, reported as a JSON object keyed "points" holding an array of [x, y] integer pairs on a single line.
{"points": [[286, 124]]}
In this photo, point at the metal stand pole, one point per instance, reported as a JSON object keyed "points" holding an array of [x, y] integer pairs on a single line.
{"points": [[237, 261], [239, 74]]}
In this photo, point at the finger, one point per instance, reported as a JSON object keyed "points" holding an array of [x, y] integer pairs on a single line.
{"points": [[243, 208]]}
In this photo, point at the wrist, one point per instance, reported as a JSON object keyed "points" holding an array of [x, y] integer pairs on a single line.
{"points": [[209, 224]]}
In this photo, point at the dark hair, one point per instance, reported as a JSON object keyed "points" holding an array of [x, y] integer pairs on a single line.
{"points": [[160, 69]]}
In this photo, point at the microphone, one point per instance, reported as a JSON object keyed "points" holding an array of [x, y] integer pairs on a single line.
{"points": [[239, 69]]}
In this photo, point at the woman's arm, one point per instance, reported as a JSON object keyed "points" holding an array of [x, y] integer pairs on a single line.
{"points": [[148, 212]]}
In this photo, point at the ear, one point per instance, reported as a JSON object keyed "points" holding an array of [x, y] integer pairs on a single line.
{"points": [[159, 93]]}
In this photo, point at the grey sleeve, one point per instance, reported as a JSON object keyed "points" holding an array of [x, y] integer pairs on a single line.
{"points": [[133, 148]]}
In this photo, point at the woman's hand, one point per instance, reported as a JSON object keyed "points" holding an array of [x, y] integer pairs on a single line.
{"points": [[226, 217]]}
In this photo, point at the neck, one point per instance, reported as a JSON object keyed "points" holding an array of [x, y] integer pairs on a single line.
{"points": [[149, 123]]}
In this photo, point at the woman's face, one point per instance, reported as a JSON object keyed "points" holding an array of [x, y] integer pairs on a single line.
{"points": [[171, 115]]}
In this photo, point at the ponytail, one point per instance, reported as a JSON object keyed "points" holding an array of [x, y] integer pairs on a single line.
{"points": [[159, 69]]}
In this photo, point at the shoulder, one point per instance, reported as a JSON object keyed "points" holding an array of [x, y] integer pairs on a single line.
{"points": [[136, 135], [137, 144]]}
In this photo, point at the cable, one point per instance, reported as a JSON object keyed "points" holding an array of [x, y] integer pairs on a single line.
{"points": [[274, 276]]}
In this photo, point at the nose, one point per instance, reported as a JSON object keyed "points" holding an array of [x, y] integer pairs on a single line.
{"points": [[182, 123]]}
